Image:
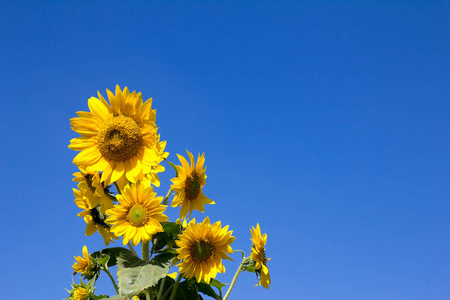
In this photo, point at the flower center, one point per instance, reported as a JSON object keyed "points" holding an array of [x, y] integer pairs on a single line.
{"points": [[119, 138], [137, 215], [192, 186], [201, 251]]}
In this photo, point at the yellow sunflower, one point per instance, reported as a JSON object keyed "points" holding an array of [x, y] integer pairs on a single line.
{"points": [[188, 185], [120, 140], [93, 217], [80, 293], [259, 255], [138, 215], [89, 183], [83, 264], [201, 249]]}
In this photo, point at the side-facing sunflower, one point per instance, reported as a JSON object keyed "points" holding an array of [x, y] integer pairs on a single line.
{"points": [[201, 249], [259, 255], [91, 185], [188, 185], [120, 140], [84, 265], [94, 218], [138, 215]]}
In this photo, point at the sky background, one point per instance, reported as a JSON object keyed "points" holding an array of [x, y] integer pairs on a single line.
{"points": [[325, 121]]}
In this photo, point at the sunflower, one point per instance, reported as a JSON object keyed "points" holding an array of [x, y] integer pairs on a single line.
{"points": [[120, 140], [201, 249], [93, 217], [138, 215], [188, 185], [80, 293], [84, 265], [259, 255], [90, 184]]}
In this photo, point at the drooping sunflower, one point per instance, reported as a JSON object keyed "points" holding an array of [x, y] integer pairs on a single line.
{"points": [[201, 249], [188, 185], [120, 140], [138, 215], [259, 255], [93, 189], [94, 218], [84, 265]]}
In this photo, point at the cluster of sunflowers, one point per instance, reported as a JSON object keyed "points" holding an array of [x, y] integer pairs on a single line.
{"points": [[120, 158]]}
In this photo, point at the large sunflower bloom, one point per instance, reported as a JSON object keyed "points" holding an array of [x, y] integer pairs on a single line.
{"points": [[138, 215], [259, 255], [188, 185], [201, 249], [95, 220], [120, 140], [90, 184], [83, 264]]}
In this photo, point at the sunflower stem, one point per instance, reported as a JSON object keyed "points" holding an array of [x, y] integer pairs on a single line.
{"points": [[239, 270], [148, 294], [166, 198], [132, 249], [112, 279], [161, 288], [145, 251], [174, 291]]}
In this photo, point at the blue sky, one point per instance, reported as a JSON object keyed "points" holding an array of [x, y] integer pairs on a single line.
{"points": [[324, 121]]}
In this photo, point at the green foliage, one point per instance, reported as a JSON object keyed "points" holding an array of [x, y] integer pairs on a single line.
{"points": [[136, 275], [109, 255], [161, 239]]}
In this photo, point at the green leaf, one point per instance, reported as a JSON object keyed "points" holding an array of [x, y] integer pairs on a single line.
{"points": [[113, 253], [105, 297], [136, 275], [170, 233], [103, 260], [217, 284], [206, 289]]}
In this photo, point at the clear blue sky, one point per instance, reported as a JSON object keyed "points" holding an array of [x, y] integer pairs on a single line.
{"points": [[327, 122]]}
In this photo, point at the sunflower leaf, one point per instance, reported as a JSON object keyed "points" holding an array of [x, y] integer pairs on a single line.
{"points": [[136, 275], [217, 284], [113, 253], [206, 289]]}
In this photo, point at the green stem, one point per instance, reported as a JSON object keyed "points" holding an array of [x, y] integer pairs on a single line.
{"points": [[166, 198], [148, 294], [239, 270], [145, 251], [174, 291], [132, 249], [161, 288], [112, 279]]}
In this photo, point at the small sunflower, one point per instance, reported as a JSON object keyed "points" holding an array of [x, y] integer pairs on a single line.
{"points": [[83, 265], [138, 215], [93, 189], [201, 249], [93, 217], [80, 293], [120, 140], [259, 255], [188, 185]]}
